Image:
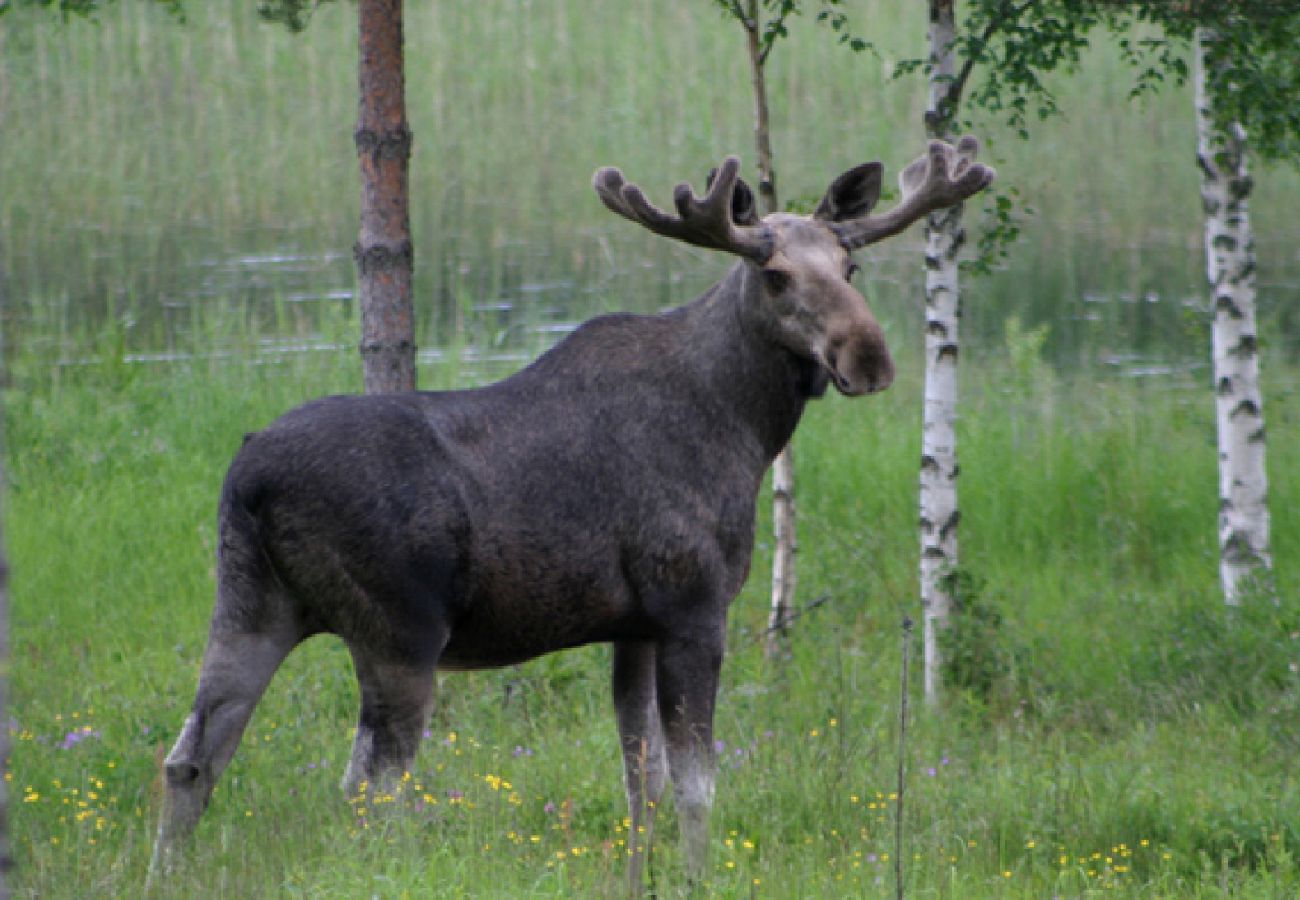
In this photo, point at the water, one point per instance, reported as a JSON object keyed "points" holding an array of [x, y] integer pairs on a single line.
{"points": [[181, 188], [290, 290]]}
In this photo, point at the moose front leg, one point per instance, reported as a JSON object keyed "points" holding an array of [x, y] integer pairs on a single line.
{"points": [[643, 749], [686, 682]]}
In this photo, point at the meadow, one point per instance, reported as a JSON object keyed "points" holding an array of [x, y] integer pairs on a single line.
{"points": [[1111, 728]]}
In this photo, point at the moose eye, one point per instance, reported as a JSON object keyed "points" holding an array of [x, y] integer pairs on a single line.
{"points": [[852, 270], [775, 280]]}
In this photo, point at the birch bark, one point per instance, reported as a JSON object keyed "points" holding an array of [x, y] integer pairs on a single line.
{"points": [[383, 250], [783, 505], [1239, 412], [944, 236]]}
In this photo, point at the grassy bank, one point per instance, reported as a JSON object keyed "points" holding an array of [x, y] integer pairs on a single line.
{"points": [[1116, 731]]}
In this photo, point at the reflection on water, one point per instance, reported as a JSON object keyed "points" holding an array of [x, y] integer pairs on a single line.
{"points": [[1132, 365], [286, 294]]}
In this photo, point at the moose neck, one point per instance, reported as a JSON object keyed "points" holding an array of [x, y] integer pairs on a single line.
{"points": [[736, 352]]}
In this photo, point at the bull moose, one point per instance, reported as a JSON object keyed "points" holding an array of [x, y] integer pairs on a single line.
{"points": [[606, 492]]}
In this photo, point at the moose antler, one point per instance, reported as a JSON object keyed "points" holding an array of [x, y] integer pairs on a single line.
{"points": [[942, 177], [704, 222]]}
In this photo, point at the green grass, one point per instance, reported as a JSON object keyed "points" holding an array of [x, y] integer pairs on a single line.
{"points": [[1139, 742], [1122, 733]]}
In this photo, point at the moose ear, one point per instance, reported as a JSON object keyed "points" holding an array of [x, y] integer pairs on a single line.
{"points": [[852, 195], [743, 211]]}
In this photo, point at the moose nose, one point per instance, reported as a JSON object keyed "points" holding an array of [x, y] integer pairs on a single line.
{"points": [[884, 375], [862, 368]]}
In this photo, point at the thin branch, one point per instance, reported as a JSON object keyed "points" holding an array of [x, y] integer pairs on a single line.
{"points": [[773, 26], [798, 613], [745, 21], [1010, 14]]}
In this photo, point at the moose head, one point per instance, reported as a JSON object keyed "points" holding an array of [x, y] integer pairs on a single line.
{"points": [[801, 266]]}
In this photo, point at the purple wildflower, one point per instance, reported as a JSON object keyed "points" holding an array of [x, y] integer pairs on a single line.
{"points": [[76, 736]]}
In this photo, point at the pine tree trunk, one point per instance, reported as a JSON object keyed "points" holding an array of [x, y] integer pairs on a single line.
{"points": [[944, 237], [1230, 267], [383, 251], [783, 509]]}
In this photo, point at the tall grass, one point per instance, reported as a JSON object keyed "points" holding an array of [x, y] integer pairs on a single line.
{"points": [[1138, 741]]}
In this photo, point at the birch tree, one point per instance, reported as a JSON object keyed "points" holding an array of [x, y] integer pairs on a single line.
{"points": [[760, 38], [944, 236], [1239, 405], [1010, 46], [1252, 82], [1247, 78], [1246, 81], [764, 23]]}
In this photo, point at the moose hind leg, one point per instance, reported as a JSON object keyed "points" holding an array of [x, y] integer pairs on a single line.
{"points": [[237, 666], [686, 675], [396, 700], [641, 735]]}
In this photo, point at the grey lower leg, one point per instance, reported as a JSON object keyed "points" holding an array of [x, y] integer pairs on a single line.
{"points": [[686, 684], [396, 701], [236, 670], [641, 736]]}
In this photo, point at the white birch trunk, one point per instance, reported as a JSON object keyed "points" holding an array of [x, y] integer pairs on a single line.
{"points": [[783, 509], [783, 553], [943, 239], [1230, 268]]}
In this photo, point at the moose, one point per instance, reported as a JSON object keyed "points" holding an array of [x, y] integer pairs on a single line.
{"points": [[604, 493]]}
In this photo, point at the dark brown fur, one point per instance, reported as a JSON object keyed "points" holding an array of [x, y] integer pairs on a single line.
{"points": [[604, 493]]}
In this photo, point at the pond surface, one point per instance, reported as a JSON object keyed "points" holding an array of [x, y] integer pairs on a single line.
{"points": [[292, 291], [179, 188]]}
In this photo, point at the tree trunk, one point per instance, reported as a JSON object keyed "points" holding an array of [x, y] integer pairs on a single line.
{"points": [[6, 861], [1230, 267], [944, 237], [383, 251], [783, 509]]}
